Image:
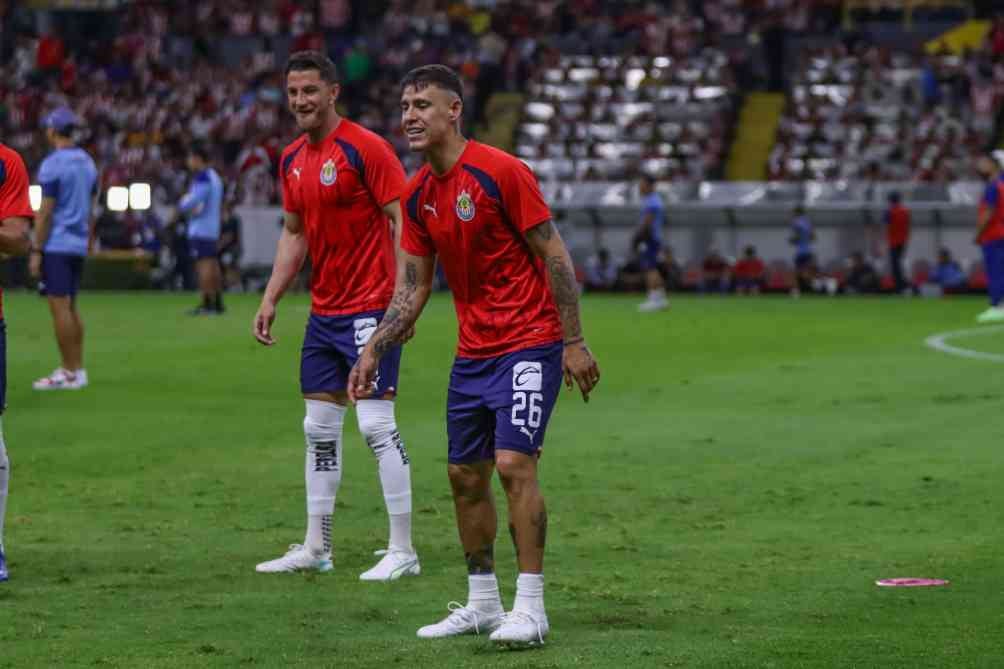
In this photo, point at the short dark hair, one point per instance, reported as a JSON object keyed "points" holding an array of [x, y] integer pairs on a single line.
{"points": [[648, 179], [199, 150], [895, 197], [313, 60], [434, 75]]}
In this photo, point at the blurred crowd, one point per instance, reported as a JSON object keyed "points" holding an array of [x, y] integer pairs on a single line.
{"points": [[859, 111]]}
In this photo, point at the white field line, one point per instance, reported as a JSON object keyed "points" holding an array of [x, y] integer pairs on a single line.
{"points": [[939, 343]]}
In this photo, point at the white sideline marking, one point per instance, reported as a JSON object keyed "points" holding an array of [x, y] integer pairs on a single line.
{"points": [[937, 342]]}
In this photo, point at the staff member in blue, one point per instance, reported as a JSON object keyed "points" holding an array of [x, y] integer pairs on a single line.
{"points": [[203, 205], [63, 229]]}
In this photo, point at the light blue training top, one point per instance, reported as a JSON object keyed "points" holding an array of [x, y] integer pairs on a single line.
{"points": [[652, 204], [204, 203], [70, 177]]}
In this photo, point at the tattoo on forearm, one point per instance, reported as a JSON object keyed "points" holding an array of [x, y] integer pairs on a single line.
{"points": [[400, 314], [481, 561], [540, 522], [566, 295]]}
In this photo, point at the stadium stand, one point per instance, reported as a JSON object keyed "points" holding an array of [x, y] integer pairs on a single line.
{"points": [[872, 113]]}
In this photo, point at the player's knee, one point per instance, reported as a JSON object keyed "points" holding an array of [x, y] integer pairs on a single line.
{"points": [[376, 422], [516, 470], [468, 482], [323, 421]]}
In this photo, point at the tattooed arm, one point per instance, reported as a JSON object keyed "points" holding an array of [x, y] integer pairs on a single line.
{"points": [[578, 362], [411, 292]]}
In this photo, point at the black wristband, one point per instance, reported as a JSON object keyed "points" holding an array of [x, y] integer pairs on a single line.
{"points": [[575, 340]]}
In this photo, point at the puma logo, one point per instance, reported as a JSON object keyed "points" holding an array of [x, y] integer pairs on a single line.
{"points": [[528, 433], [296, 172], [430, 208]]}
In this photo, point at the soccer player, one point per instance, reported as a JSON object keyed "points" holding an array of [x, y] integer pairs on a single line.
{"points": [[990, 237], [15, 217], [341, 187], [63, 230], [481, 211], [653, 218], [203, 204]]}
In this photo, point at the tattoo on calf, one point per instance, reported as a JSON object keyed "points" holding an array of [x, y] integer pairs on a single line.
{"points": [[481, 561]]}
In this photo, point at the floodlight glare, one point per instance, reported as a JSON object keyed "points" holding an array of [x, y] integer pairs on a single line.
{"points": [[139, 196], [118, 198]]}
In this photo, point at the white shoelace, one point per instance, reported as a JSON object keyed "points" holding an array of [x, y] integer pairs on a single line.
{"points": [[462, 615], [522, 618]]}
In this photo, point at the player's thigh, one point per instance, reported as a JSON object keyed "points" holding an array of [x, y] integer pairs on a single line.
{"points": [[3, 366], [523, 396], [352, 334], [470, 423], [470, 429], [323, 367], [61, 274]]}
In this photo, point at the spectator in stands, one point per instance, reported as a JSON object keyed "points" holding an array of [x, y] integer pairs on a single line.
{"points": [[601, 271], [897, 226], [802, 237], [948, 273], [861, 276], [750, 273], [715, 273]]}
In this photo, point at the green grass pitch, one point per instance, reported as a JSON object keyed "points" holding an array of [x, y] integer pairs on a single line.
{"points": [[744, 473]]}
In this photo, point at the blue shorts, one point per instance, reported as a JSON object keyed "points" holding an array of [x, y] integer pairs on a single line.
{"points": [[648, 257], [332, 345], [3, 365], [199, 249], [503, 402], [61, 274]]}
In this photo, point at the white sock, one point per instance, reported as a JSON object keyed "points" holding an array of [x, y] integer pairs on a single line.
{"points": [[529, 593], [379, 429], [657, 294], [4, 480], [322, 429], [483, 593]]}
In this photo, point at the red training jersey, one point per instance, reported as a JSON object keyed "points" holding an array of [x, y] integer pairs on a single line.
{"points": [[897, 225], [14, 201], [475, 217], [338, 188], [993, 200]]}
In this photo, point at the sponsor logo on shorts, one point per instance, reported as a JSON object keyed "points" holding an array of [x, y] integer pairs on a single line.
{"points": [[364, 329], [329, 174], [527, 376]]}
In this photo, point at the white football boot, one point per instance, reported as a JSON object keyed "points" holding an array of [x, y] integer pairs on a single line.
{"points": [[393, 565], [462, 620], [297, 558], [61, 379], [522, 627]]}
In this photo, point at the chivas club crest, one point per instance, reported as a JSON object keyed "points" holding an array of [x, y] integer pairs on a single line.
{"points": [[328, 173], [465, 206]]}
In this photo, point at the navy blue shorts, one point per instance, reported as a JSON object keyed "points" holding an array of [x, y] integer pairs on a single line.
{"points": [[503, 402], [3, 365], [201, 248], [61, 274], [332, 345], [648, 257], [803, 260]]}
